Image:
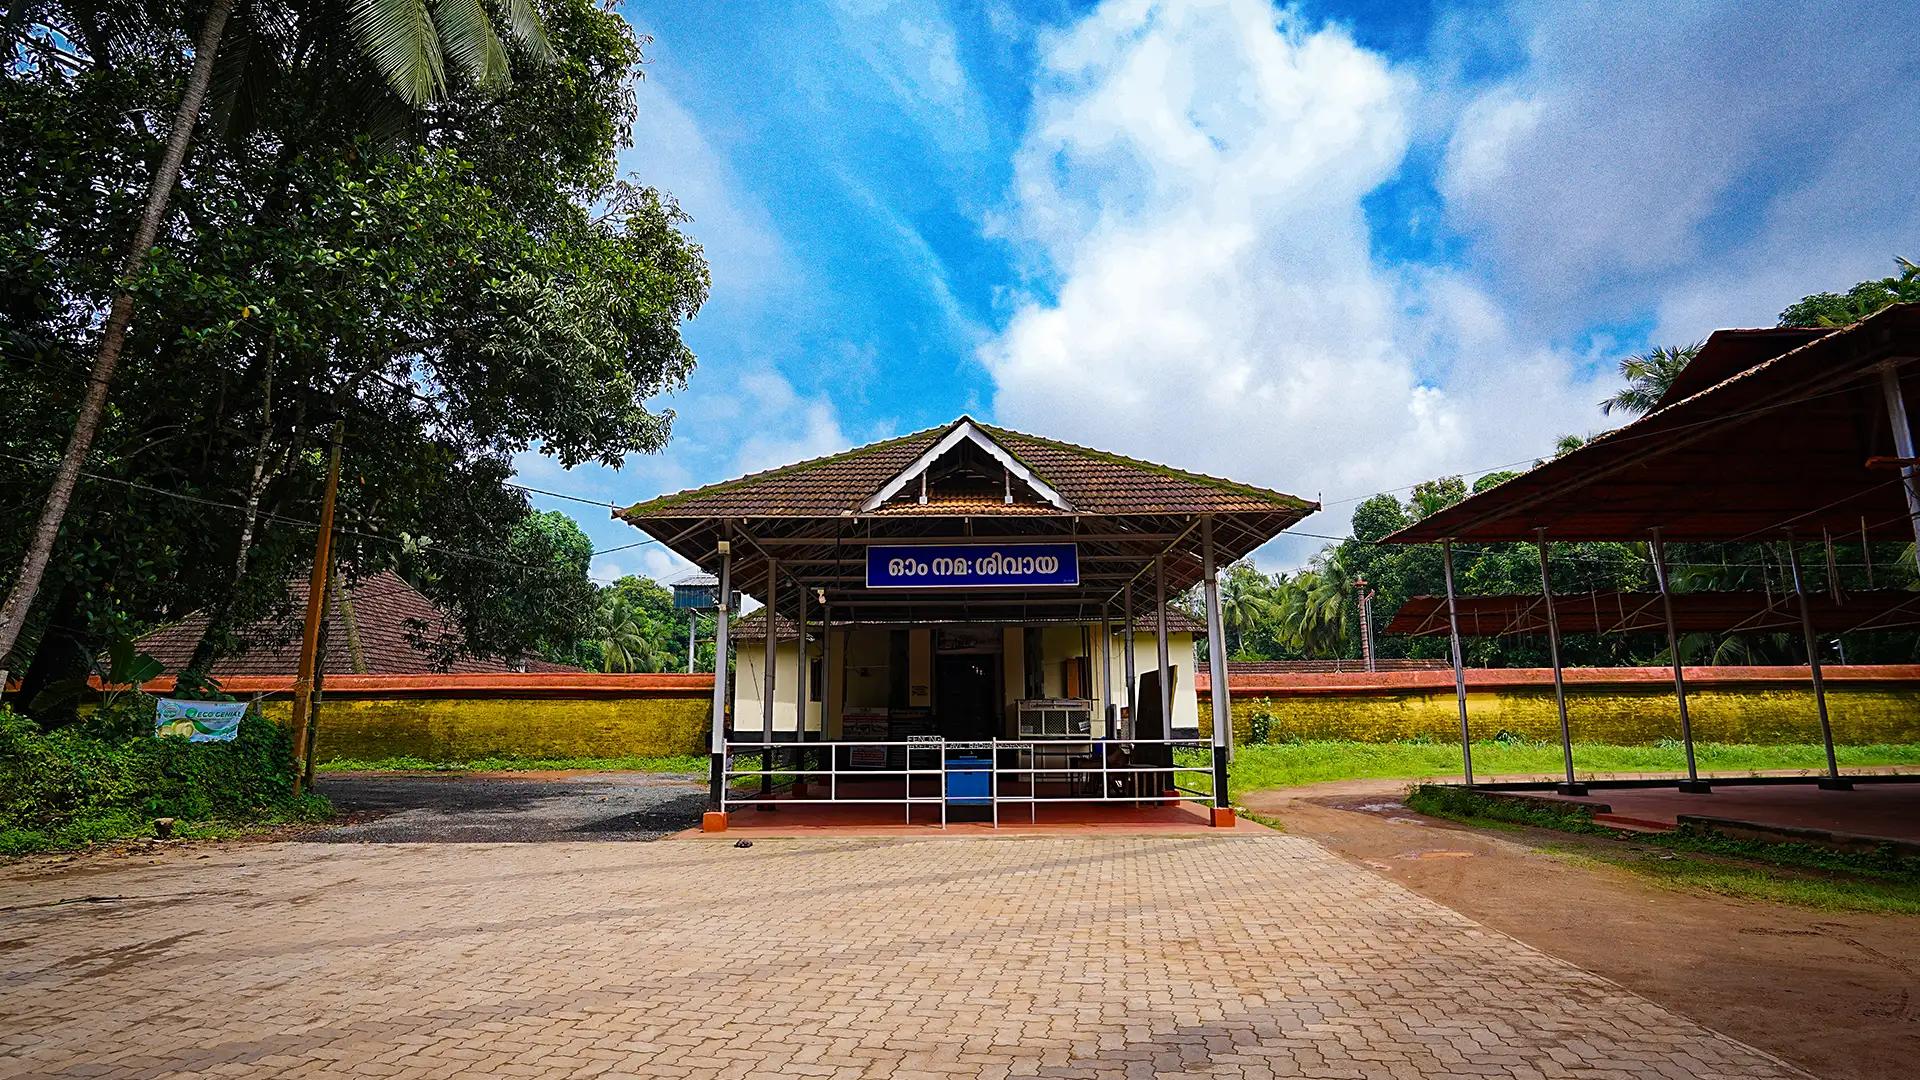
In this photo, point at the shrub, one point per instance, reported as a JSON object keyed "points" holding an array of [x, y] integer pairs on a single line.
{"points": [[1260, 724], [93, 782]]}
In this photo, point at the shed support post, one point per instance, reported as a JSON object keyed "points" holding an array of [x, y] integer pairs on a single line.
{"points": [[1902, 426], [1692, 785], [1833, 781], [800, 681], [1107, 708], [767, 684], [1570, 786], [828, 679], [1219, 696], [1459, 666], [1126, 617], [717, 782], [693, 637], [1160, 637]]}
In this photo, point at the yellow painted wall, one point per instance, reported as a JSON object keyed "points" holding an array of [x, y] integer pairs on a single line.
{"points": [[462, 729], [1860, 714]]}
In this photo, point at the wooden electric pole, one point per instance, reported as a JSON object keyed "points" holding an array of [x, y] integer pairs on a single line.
{"points": [[316, 614]]}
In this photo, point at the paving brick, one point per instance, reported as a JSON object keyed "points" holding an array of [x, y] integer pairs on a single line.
{"points": [[1077, 956]]}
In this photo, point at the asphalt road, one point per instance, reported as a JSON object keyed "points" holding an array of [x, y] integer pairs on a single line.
{"points": [[491, 808]]}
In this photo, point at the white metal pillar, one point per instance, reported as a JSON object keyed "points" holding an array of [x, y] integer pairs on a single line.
{"points": [[801, 677], [1220, 698], [1132, 639], [1657, 548], [767, 680], [1160, 636], [1570, 786], [693, 637], [1833, 781], [718, 747], [1902, 426], [1459, 665], [1106, 676]]}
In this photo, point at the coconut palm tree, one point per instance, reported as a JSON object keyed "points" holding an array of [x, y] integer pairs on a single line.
{"points": [[1317, 607], [1248, 602], [1648, 376], [618, 636], [411, 44]]}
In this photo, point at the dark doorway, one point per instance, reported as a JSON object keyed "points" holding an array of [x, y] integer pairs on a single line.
{"points": [[966, 695]]}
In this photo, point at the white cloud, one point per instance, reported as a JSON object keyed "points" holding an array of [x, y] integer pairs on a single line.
{"points": [[1704, 159], [912, 49], [1191, 186], [671, 151], [778, 425]]}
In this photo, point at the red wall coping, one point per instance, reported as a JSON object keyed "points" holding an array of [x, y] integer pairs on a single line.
{"points": [[550, 684], [594, 684], [1635, 678]]}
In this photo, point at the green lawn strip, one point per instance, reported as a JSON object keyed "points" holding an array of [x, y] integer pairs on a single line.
{"points": [[1747, 882], [678, 763], [1275, 765], [1805, 874]]}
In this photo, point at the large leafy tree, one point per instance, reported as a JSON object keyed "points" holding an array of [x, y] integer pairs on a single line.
{"points": [[401, 37], [464, 284], [1865, 298]]}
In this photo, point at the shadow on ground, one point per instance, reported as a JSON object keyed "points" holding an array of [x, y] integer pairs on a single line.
{"points": [[425, 808]]}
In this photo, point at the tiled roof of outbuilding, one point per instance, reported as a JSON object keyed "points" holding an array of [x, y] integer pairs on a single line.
{"points": [[393, 625]]}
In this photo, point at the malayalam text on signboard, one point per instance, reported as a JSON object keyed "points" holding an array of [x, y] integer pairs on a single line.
{"points": [[905, 566]]}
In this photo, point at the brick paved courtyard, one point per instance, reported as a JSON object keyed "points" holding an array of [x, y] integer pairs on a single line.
{"points": [[1122, 957]]}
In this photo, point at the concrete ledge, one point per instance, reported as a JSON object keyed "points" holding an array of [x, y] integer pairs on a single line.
{"points": [[1734, 829]]}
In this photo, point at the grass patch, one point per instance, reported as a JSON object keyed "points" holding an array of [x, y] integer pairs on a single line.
{"points": [[1273, 765], [677, 763], [1821, 892], [1807, 875]]}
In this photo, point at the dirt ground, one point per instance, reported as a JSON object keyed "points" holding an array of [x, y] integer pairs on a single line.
{"points": [[1838, 994], [507, 807]]}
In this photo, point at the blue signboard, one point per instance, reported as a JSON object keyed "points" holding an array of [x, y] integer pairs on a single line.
{"points": [[971, 566]]}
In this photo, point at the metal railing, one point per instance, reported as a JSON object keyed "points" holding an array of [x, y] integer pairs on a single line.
{"points": [[1098, 760]]}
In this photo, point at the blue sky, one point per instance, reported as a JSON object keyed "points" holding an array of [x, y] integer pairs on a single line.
{"points": [[1332, 248]]}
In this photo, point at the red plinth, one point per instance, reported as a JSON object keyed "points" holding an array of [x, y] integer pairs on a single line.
{"points": [[713, 821], [1222, 817]]}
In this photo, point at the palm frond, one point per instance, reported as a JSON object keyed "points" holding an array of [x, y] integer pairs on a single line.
{"points": [[399, 39], [468, 41], [524, 25]]}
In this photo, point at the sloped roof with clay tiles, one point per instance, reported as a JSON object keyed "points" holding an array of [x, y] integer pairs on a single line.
{"points": [[1092, 481], [1135, 525]]}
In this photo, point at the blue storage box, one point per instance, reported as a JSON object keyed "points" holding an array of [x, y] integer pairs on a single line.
{"points": [[969, 781]]}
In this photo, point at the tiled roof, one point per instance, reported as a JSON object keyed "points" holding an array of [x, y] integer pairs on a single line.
{"points": [[1092, 481], [394, 626], [752, 626]]}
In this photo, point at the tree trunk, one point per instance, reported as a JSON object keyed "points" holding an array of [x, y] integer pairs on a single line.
{"points": [[206, 649], [33, 565]]}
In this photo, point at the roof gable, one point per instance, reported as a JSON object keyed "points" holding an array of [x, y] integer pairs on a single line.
{"points": [[965, 432]]}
